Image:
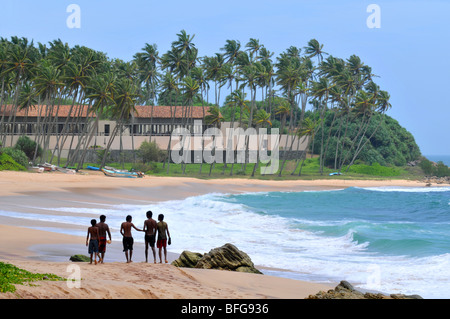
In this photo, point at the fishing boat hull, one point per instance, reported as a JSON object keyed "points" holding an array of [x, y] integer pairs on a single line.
{"points": [[93, 168], [113, 173]]}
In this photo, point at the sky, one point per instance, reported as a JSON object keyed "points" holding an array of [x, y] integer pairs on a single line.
{"points": [[408, 52]]}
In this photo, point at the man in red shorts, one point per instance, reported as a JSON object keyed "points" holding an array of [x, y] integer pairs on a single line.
{"points": [[162, 237], [103, 228]]}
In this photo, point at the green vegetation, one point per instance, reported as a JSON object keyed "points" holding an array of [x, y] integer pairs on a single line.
{"points": [[439, 170], [386, 142], [8, 163], [292, 168], [376, 169], [31, 149], [17, 155], [150, 152], [11, 275]]}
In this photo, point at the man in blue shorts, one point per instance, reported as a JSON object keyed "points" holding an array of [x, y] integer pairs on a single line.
{"points": [[93, 241]]}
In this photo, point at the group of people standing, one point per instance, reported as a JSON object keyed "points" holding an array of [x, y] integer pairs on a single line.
{"points": [[155, 232]]}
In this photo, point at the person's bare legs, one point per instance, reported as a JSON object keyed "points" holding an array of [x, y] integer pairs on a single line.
{"points": [[154, 254], [165, 254]]}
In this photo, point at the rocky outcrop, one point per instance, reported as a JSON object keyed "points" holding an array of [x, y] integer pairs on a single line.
{"points": [[346, 291], [187, 259], [436, 180], [79, 258], [227, 257]]}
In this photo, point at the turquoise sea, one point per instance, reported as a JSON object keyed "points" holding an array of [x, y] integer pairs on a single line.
{"points": [[388, 239]]}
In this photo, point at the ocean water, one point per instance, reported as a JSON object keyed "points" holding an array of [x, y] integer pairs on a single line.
{"points": [[388, 239]]}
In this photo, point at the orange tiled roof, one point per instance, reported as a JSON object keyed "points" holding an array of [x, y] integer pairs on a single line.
{"points": [[62, 111], [142, 111], [163, 111]]}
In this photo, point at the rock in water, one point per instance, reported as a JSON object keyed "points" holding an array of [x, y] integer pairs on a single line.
{"points": [[227, 257]]}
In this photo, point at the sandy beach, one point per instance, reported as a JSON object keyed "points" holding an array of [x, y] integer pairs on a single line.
{"points": [[33, 249]]}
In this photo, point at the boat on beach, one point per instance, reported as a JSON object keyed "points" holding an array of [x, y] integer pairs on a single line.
{"points": [[66, 170], [121, 173], [48, 167], [37, 169]]}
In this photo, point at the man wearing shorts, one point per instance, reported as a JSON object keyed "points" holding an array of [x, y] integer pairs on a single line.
{"points": [[103, 228], [150, 234], [162, 237], [128, 241], [92, 232]]}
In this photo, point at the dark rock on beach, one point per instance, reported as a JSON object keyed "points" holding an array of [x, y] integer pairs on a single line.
{"points": [[227, 257], [79, 258], [346, 291], [187, 259]]}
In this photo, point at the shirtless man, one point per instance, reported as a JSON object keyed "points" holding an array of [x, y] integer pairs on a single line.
{"points": [[103, 228], [150, 232], [163, 234], [93, 242], [125, 231]]}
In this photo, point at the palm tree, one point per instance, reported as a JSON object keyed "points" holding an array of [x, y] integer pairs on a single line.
{"points": [[213, 67], [47, 84], [5, 78], [100, 92], [253, 46], [321, 90], [308, 130], [382, 103], [283, 110], [186, 48], [20, 62], [262, 119], [213, 118], [189, 90], [237, 100], [75, 82], [314, 48], [149, 76], [363, 108], [125, 97], [169, 87], [231, 49]]}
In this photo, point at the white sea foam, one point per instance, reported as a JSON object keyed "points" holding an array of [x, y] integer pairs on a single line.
{"points": [[408, 189]]}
